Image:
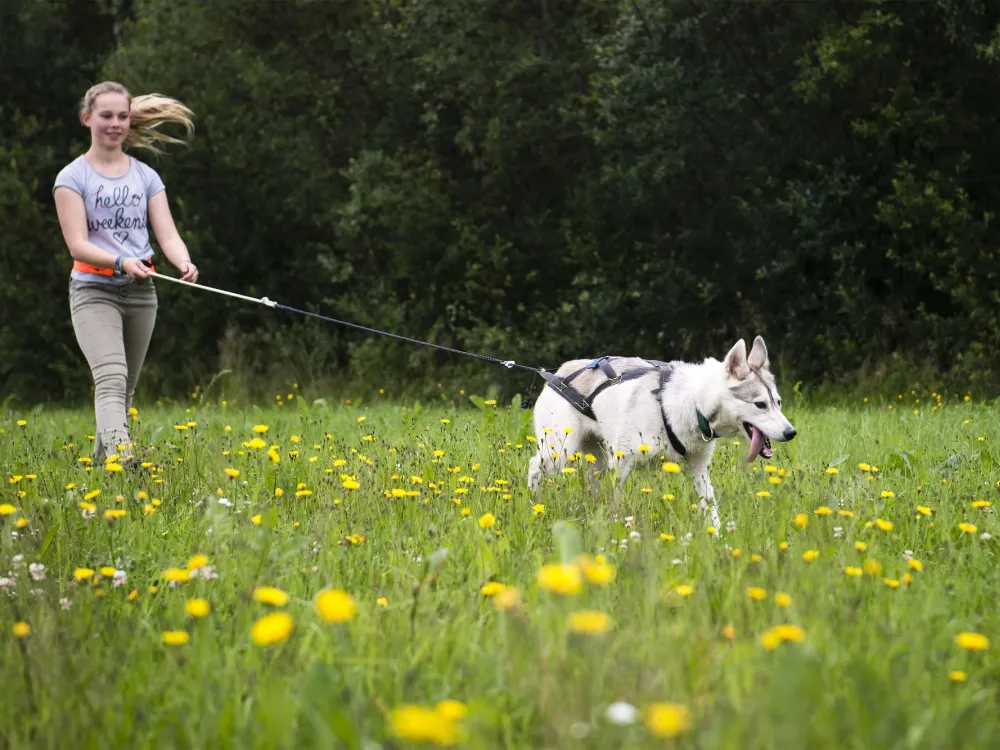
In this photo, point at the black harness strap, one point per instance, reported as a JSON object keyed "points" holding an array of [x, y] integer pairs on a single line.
{"points": [[666, 372], [564, 389]]}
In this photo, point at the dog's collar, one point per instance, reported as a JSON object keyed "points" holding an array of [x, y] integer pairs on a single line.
{"points": [[705, 425], [708, 432]]}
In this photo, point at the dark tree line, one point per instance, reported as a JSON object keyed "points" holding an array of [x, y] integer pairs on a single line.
{"points": [[533, 179]]}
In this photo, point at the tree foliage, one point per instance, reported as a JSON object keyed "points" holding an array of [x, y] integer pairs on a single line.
{"points": [[532, 179]]}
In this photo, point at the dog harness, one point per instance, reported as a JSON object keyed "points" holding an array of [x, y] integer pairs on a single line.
{"points": [[584, 404]]}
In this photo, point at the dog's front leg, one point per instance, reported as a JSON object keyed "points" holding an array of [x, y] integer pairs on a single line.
{"points": [[703, 486]]}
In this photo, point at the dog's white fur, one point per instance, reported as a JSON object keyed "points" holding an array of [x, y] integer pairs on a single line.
{"points": [[628, 415]]}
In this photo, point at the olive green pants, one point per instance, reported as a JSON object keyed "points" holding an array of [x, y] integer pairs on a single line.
{"points": [[113, 326]]}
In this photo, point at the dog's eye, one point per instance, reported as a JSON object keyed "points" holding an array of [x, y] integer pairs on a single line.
{"points": [[760, 404]]}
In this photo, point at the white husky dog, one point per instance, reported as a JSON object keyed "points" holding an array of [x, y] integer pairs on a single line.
{"points": [[611, 406]]}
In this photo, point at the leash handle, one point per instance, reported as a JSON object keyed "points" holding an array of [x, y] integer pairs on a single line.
{"points": [[262, 301]]}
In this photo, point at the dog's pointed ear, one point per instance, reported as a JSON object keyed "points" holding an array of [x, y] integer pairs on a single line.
{"points": [[736, 361], [758, 355]]}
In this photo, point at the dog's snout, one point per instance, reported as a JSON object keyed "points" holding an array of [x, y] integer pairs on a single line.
{"points": [[789, 434]]}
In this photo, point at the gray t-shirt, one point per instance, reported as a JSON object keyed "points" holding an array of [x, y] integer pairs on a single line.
{"points": [[116, 210]]}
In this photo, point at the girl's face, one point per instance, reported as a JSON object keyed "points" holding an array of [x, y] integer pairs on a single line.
{"points": [[108, 120]]}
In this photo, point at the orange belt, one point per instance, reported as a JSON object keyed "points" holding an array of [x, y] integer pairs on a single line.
{"points": [[79, 265]]}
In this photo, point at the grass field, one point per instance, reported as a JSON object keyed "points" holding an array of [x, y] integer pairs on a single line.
{"points": [[848, 601]]}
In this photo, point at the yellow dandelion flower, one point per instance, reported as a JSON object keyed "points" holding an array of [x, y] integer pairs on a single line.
{"points": [[492, 588], [757, 593], [260, 429], [272, 628], [7, 509], [887, 494], [782, 599], [957, 675], [560, 579], [801, 520], [82, 574], [684, 590], [860, 546], [832, 470], [21, 629], [853, 571], [197, 607], [506, 599], [420, 724], [452, 709], [872, 567], [671, 468], [589, 622], [667, 719], [335, 605], [596, 571], [487, 520], [175, 637], [823, 511], [232, 473], [972, 641], [763, 493], [968, 528], [810, 554], [915, 565], [382, 601], [176, 575], [883, 524], [271, 595]]}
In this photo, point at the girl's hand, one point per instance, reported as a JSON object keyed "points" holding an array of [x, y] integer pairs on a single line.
{"points": [[135, 268], [189, 272]]}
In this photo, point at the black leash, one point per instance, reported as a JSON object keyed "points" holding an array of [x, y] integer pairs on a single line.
{"points": [[508, 363]]}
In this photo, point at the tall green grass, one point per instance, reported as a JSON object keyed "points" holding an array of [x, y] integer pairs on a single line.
{"points": [[876, 662]]}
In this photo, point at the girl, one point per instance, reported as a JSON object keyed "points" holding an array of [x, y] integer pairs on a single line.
{"points": [[106, 200]]}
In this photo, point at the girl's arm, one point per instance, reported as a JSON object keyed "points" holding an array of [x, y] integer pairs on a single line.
{"points": [[73, 222], [168, 238]]}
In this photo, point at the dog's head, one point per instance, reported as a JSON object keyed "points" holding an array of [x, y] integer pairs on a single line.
{"points": [[751, 401]]}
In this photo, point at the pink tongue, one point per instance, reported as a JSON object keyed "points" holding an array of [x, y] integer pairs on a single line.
{"points": [[756, 443]]}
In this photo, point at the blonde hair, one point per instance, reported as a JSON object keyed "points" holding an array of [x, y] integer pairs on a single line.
{"points": [[147, 114]]}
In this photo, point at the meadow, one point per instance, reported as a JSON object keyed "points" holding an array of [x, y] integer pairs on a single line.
{"points": [[372, 574]]}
